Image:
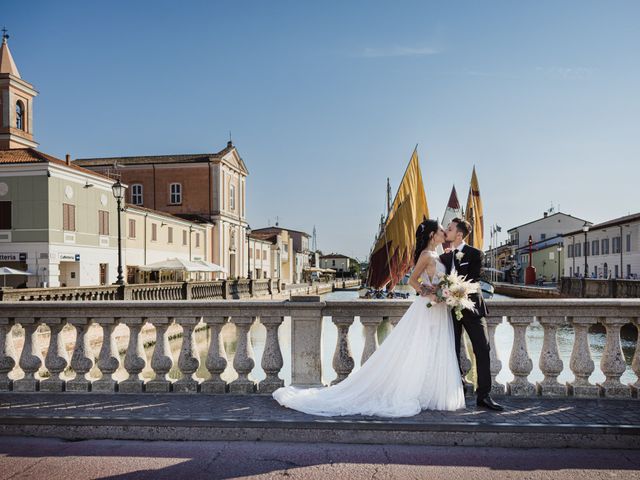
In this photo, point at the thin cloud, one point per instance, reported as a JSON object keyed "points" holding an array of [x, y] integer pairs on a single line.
{"points": [[566, 73], [399, 52]]}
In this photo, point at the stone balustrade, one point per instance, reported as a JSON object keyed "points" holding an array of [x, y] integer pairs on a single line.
{"points": [[64, 372]]}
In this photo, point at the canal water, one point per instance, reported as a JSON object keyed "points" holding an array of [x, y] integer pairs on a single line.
{"points": [[503, 340]]}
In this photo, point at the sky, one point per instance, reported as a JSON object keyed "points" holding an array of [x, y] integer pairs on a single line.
{"points": [[325, 100]]}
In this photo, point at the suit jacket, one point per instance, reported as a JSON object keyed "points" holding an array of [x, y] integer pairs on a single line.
{"points": [[469, 266]]}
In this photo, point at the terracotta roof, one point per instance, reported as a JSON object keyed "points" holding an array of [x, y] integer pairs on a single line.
{"points": [[544, 218], [153, 159], [609, 223], [279, 229], [334, 255], [31, 155], [268, 236], [162, 214]]}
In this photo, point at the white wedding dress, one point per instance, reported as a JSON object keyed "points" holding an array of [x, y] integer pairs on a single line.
{"points": [[414, 369]]}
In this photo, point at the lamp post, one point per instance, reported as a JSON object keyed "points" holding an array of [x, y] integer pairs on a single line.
{"points": [[585, 229], [559, 249], [118, 192], [248, 250]]}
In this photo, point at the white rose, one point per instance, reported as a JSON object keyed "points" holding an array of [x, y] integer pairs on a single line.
{"points": [[459, 256]]}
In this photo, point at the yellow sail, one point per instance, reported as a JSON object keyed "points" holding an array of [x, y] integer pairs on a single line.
{"points": [[474, 213], [392, 255]]}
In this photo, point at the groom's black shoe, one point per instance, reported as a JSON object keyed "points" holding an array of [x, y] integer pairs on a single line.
{"points": [[487, 402]]}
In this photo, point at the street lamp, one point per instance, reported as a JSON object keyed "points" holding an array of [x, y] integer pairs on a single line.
{"points": [[559, 249], [585, 229], [118, 192], [248, 249]]}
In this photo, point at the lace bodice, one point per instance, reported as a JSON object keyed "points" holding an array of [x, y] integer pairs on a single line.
{"points": [[441, 270]]}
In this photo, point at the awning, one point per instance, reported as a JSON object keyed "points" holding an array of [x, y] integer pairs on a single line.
{"points": [[177, 264]]}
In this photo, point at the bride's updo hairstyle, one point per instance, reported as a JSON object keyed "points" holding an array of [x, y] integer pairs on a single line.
{"points": [[425, 232]]}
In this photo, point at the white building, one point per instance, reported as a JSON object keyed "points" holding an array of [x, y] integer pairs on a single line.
{"points": [[336, 261], [612, 249]]}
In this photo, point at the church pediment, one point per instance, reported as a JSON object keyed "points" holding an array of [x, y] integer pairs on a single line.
{"points": [[233, 160]]}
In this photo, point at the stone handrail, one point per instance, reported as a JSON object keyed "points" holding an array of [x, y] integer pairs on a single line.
{"points": [[599, 288], [109, 292], [306, 333]]}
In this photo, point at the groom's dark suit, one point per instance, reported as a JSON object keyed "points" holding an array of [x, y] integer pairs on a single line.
{"points": [[470, 266]]}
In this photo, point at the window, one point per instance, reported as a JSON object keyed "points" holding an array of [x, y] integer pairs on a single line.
{"points": [[605, 246], [154, 232], [628, 271], [578, 249], [68, 217], [250, 253], [136, 194], [595, 247], [197, 240], [5, 215], [232, 197], [176, 194], [132, 228], [103, 222], [170, 235], [570, 251], [333, 263], [586, 249], [257, 253], [628, 242], [616, 274], [184, 237], [615, 245], [264, 254], [543, 236], [20, 115]]}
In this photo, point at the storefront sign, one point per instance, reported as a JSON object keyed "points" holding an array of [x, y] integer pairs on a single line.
{"points": [[69, 257], [13, 257]]}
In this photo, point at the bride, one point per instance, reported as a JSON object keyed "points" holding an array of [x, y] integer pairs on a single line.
{"points": [[414, 369]]}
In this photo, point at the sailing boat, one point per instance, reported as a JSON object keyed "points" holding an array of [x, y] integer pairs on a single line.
{"points": [[392, 253]]}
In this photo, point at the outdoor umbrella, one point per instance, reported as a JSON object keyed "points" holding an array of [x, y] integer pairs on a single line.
{"points": [[4, 271]]}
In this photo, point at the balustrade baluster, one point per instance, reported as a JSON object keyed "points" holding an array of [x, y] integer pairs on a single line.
{"points": [[135, 359], [57, 359], [612, 363], [243, 362], [306, 336], [81, 358], [581, 363], [520, 363], [494, 357], [30, 358], [342, 358], [550, 363], [7, 354], [189, 359], [108, 358], [370, 324], [216, 362], [465, 364], [161, 360], [272, 356], [635, 363]]}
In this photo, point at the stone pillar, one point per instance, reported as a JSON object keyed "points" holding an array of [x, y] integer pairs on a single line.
{"points": [[243, 362], [306, 353], [550, 363], [57, 359], [342, 357], [135, 359], [635, 364], [30, 359], [520, 363], [612, 363], [272, 356], [161, 360], [189, 359], [81, 359], [216, 361], [494, 357], [7, 354], [108, 358], [581, 363], [370, 325]]}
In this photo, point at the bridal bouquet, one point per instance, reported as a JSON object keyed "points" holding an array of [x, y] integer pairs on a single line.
{"points": [[454, 290]]}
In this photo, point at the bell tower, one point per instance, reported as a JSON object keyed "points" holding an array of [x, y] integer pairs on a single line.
{"points": [[16, 103]]}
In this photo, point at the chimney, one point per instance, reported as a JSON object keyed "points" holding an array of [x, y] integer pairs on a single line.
{"points": [[67, 157], [229, 144], [546, 214]]}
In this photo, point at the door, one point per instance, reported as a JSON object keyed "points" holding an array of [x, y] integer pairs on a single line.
{"points": [[103, 274]]}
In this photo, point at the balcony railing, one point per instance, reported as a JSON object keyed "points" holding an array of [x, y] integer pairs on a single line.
{"points": [[62, 369]]}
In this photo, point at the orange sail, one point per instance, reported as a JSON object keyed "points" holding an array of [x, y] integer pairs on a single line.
{"points": [[474, 214], [392, 255]]}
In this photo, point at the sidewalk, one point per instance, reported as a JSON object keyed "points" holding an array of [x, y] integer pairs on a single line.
{"points": [[527, 422]]}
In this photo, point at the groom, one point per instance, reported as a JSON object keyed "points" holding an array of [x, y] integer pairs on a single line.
{"points": [[467, 262]]}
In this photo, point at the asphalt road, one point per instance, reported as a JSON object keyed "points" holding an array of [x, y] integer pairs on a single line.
{"points": [[52, 459]]}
